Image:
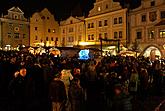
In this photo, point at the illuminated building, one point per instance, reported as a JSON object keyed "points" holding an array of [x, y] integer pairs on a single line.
{"points": [[72, 31], [106, 20], [14, 29], [44, 29], [147, 27]]}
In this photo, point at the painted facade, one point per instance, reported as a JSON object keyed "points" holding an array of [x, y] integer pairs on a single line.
{"points": [[44, 29], [72, 31], [14, 29], [147, 25]]}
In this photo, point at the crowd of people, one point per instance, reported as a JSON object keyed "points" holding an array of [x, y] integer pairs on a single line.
{"points": [[46, 83]]}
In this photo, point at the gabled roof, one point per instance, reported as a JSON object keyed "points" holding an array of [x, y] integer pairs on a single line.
{"points": [[16, 9]]}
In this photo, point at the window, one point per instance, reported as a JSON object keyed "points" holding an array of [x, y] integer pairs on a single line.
{"points": [[100, 23], [143, 18], [9, 35], [162, 14], [43, 17], [71, 22], [36, 28], [120, 34], [92, 36], [70, 29], [24, 35], [52, 39], [53, 30], [162, 33], [70, 39], [153, 3], [63, 31], [88, 25], [92, 25], [115, 35], [100, 36], [15, 16], [105, 22], [89, 37], [120, 20], [49, 30], [115, 21], [48, 18], [139, 35], [106, 6], [47, 38], [56, 38], [16, 35], [151, 34], [106, 35], [99, 9], [36, 37], [79, 38]]}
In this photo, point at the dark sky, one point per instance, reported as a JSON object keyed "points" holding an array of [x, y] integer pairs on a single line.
{"points": [[60, 8]]}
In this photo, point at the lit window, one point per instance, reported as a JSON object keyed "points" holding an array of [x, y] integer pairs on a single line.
{"points": [[99, 8], [53, 30], [151, 34], [162, 33]]}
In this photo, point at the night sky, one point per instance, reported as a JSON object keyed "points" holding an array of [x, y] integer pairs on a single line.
{"points": [[60, 8]]}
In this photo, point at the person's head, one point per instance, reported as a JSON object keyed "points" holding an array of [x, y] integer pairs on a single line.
{"points": [[117, 89], [23, 72]]}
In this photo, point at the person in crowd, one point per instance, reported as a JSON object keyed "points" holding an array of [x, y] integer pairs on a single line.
{"points": [[18, 90], [57, 93], [76, 95], [120, 101]]}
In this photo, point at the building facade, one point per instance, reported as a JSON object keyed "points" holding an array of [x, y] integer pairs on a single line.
{"points": [[44, 29], [147, 27], [14, 29], [72, 31]]}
